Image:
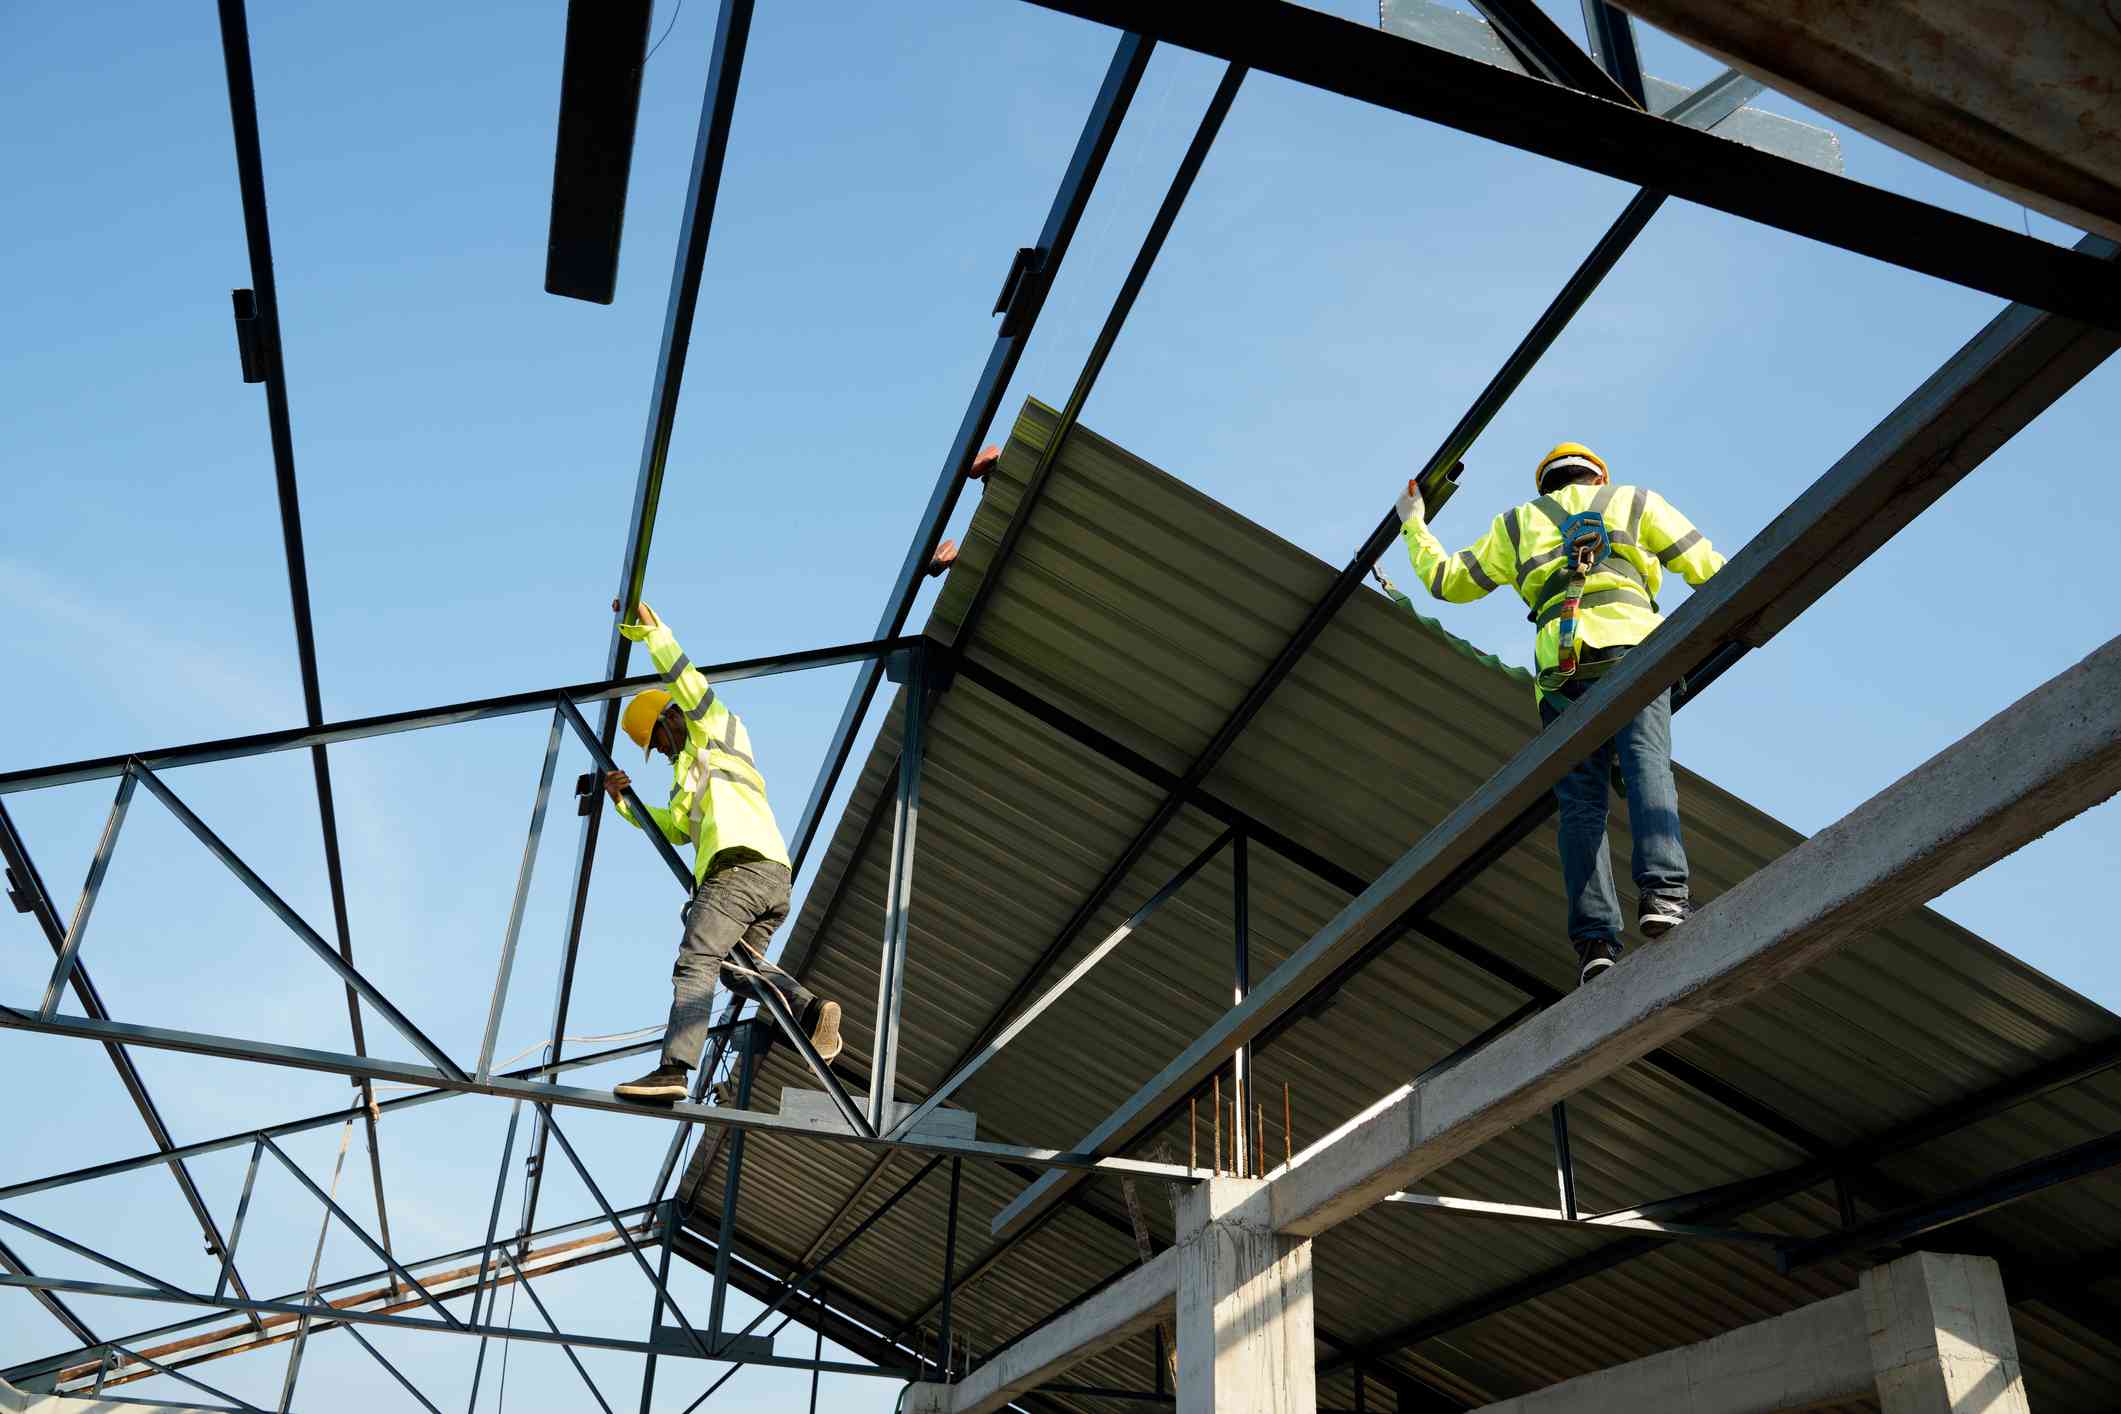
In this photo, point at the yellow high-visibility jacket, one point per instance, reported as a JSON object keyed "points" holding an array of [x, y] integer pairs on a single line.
{"points": [[1523, 549], [717, 796]]}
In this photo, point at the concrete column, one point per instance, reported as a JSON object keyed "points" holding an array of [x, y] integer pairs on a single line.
{"points": [[1941, 1337], [1245, 1329]]}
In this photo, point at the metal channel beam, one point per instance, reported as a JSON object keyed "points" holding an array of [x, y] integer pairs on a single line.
{"points": [[1969, 1201], [78, 1366], [2022, 361], [257, 229], [577, 1339], [1100, 128], [725, 67], [600, 105], [563, 1096], [1621, 141], [478, 709]]}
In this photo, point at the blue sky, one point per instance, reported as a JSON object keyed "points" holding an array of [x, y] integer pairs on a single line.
{"points": [[1341, 284]]}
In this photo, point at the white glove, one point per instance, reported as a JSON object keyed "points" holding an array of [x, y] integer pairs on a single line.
{"points": [[1409, 505]]}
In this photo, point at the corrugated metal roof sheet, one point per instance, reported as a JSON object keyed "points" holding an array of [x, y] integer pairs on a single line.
{"points": [[1143, 608]]}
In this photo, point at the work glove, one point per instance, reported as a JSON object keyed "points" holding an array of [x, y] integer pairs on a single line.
{"points": [[1409, 505]]}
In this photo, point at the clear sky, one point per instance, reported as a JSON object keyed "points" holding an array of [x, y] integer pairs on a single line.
{"points": [[1341, 284]]}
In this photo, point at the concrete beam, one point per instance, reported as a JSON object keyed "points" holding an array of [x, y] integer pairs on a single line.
{"points": [[2021, 362], [1813, 1355], [1940, 1337], [2022, 98], [2043, 760], [1129, 1306]]}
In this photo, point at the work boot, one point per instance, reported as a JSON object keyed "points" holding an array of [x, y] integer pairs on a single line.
{"points": [[664, 1085], [1597, 956], [823, 1020], [1659, 914]]}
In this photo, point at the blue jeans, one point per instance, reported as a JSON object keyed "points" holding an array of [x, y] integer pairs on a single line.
{"points": [[1643, 752]]}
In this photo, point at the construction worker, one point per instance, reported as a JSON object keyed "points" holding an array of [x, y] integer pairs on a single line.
{"points": [[740, 866], [1590, 603]]}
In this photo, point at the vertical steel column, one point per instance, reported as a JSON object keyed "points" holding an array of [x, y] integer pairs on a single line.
{"points": [[1564, 1165], [731, 1183], [493, 1227], [522, 897], [957, 1173], [1241, 1063], [817, 1350], [898, 898], [666, 1231]]}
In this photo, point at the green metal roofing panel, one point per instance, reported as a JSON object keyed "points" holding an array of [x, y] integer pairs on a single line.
{"points": [[1144, 608]]}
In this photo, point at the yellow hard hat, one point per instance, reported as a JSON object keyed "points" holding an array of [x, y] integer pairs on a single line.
{"points": [[1567, 454], [639, 719]]}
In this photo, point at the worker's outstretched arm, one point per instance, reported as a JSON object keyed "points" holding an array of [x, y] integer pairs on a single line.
{"points": [[1480, 569], [615, 786], [688, 686], [1678, 546]]}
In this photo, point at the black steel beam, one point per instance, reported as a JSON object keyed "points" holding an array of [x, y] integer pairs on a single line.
{"points": [[1362, 62], [600, 104], [11, 1262], [478, 709], [1968, 1201], [717, 105], [1612, 36], [1546, 49], [257, 230], [1100, 128]]}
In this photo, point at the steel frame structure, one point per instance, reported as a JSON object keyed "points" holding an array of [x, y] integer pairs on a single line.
{"points": [[1585, 108]]}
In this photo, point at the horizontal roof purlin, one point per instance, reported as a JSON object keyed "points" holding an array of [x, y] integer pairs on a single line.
{"points": [[1144, 609]]}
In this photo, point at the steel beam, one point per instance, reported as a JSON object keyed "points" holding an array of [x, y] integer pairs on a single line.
{"points": [[1968, 1201], [506, 967], [1100, 128], [898, 890], [1555, 1217], [211, 1345], [2008, 373], [257, 229], [478, 709], [1623, 142], [11, 1262], [372, 1318], [562, 1096]]}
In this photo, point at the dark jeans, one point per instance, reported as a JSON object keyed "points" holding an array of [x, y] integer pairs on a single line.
{"points": [[1643, 752], [742, 899]]}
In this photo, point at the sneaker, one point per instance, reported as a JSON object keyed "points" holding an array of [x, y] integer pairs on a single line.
{"points": [[1597, 956], [825, 1032], [664, 1085], [1657, 916]]}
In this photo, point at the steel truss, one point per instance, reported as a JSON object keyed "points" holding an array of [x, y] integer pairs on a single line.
{"points": [[1586, 109]]}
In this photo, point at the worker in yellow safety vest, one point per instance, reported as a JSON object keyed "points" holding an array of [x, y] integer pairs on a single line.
{"points": [[1588, 558], [740, 864]]}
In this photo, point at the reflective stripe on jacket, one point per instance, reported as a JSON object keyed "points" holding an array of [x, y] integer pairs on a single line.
{"points": [[1523, 550], [717, 796]]}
